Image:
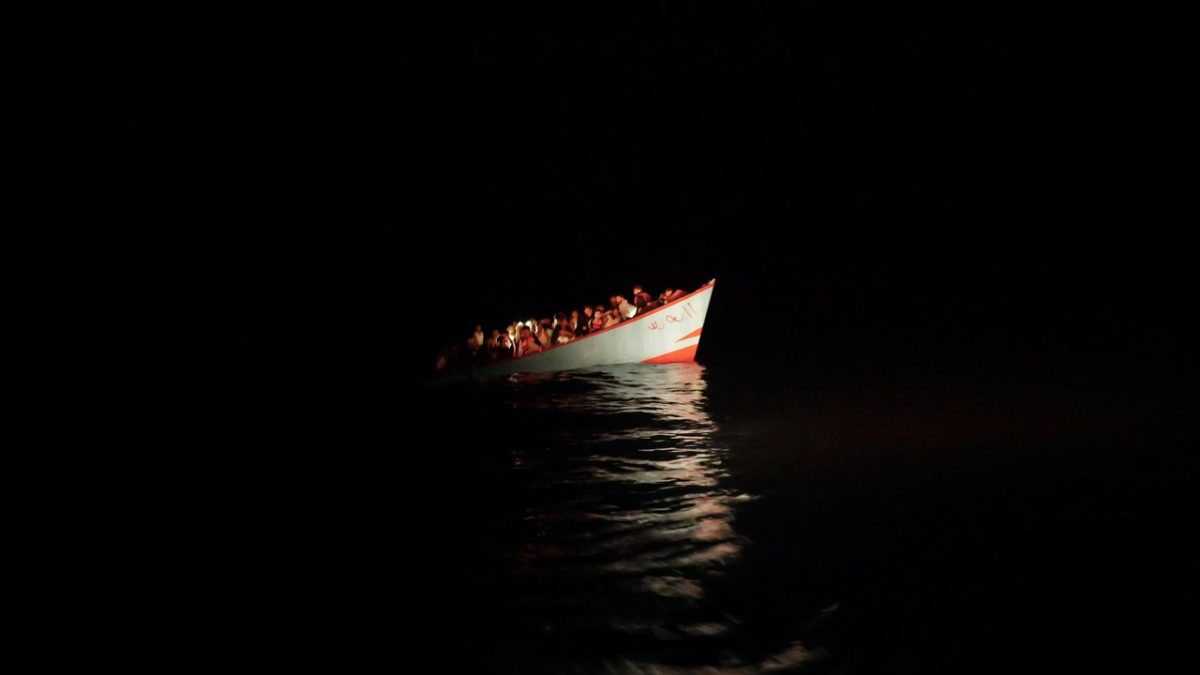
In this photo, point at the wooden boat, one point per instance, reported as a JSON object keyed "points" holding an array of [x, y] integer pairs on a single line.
{"points": [[666, 334]]}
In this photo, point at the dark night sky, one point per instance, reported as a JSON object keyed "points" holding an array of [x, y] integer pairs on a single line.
{"points": [[366, 184], [253, 228]]}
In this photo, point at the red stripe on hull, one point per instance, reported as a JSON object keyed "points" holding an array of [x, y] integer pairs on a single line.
{"points": [[685, 355], [692, 334]]}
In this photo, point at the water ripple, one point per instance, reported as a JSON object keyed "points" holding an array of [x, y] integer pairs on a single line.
{"points": [[630, 517]]}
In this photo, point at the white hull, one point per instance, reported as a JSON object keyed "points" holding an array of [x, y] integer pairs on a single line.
{"points": [[667, 334]]}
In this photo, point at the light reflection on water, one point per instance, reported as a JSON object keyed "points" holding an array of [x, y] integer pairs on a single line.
{"points": [[630, 521]]}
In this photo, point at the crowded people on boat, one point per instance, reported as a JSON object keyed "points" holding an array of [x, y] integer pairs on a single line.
{"points": [[624, 309], [476, 339], [641, 299], [500, 342], [522, 338], [564, 333], [528, 344], [598, 318], [670, 295], [587, 321]]}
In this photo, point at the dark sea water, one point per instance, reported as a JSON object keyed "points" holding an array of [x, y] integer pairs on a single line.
{"points": [[663, 519], [621, 546], [632, 519]]}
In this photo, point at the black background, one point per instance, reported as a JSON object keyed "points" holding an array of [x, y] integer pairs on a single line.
{"points": [[246, 218], [368, 176]]}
